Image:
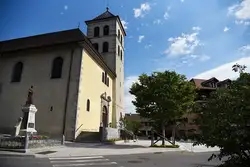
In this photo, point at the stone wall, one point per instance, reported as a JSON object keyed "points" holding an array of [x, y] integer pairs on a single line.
{"points": [[111, 133], [12, 143]]}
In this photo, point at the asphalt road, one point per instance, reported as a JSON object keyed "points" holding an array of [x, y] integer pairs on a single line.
{"points": [[169, 159]]}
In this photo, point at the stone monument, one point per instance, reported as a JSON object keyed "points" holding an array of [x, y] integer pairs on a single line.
{"points": [[29, 110]]}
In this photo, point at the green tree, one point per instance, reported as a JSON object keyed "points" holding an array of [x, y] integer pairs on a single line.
{"points": [[163, 97], [225, 122]]}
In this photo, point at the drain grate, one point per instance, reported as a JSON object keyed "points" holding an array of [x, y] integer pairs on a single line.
{"points": [[46, 152]]}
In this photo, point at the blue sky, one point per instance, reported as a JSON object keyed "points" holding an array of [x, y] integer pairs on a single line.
{"points": [[194, 37]]}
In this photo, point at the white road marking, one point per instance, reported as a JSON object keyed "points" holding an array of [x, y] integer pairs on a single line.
{"points": [[86, 164], [77, 161], [63, 158]]}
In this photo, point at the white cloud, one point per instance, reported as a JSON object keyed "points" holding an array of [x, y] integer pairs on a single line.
{"points": [[225, 71], [140, 12], [226, 29], [245, 50], [125, 24], [148, 46], [241, 22], [183, 45], [166, 15], [241, 11], [141, 37], [157, 21], [204, 58], [197, 28], [182, 0], [66, 7], [129, 107]]}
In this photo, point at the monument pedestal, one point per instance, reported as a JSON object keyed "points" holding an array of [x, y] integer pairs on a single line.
{"points": [[28, 122]]}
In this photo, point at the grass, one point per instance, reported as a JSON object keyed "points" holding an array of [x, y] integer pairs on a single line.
{"points": [[165, 146], [113, 140]]}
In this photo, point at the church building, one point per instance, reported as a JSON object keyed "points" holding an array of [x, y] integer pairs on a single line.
{"points": [[77, 79]]}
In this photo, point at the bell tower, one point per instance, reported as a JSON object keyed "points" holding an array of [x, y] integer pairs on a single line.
{"points": [[107, 33]]}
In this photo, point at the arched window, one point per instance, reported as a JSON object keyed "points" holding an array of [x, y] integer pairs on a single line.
{"points": [[88, 105], [118, 50], [96, 32], [17, 72], [96, 46], [107, 81], [119, 34], [56, 71], [105, 47], [103, 77], [106, 30], [121, 54]]}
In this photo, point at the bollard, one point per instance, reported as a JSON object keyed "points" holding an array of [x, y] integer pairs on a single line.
{"points": [[152, 138], [26, 142]]}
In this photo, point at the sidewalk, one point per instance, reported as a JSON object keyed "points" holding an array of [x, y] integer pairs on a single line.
{"points": [[91, 149], [99, 149]]}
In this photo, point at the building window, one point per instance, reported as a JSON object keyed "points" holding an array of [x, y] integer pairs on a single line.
{"points": [[105, 47], [96, 46], [106, 30], [96, 32], [107, 81], [121, 54], [57, 68], [103, 77], [88, 105], [121, 39], [119, 34], [17, 72], [118, 50]]}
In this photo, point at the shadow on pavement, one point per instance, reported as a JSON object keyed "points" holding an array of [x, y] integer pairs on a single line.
{"points": [[103, 146]]}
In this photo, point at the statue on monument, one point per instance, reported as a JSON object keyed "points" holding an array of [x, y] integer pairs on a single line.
{"points": [[30, 96]]}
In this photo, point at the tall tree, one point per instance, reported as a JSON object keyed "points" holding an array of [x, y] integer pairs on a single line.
{"points": [[163, 97], [225, 122]]}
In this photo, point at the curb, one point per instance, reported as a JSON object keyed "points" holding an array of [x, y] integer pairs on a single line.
{"points": [[9, 153]]}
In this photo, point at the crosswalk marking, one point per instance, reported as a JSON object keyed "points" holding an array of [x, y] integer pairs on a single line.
{"points": [[86, 164], [86, 160], [80, 161], [62, 158]]}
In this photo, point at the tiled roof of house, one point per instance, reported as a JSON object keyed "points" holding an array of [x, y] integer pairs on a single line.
{"points": [[198, 83], [135, 117]]}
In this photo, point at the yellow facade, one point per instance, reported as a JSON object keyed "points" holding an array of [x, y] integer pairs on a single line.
{"points": [[91, 87]]}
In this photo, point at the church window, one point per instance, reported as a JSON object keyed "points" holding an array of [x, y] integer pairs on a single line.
{"points": [[118, 50], [96, 32], [88, 105], [119, 34], [107, 81], [105, 47], [106, 75], [57, 68], [96, 46], [103, 77], [121, 54], [106, 30], [17, 72]]}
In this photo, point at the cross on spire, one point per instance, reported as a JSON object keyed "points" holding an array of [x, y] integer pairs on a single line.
{"points": [[107, 4]]}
